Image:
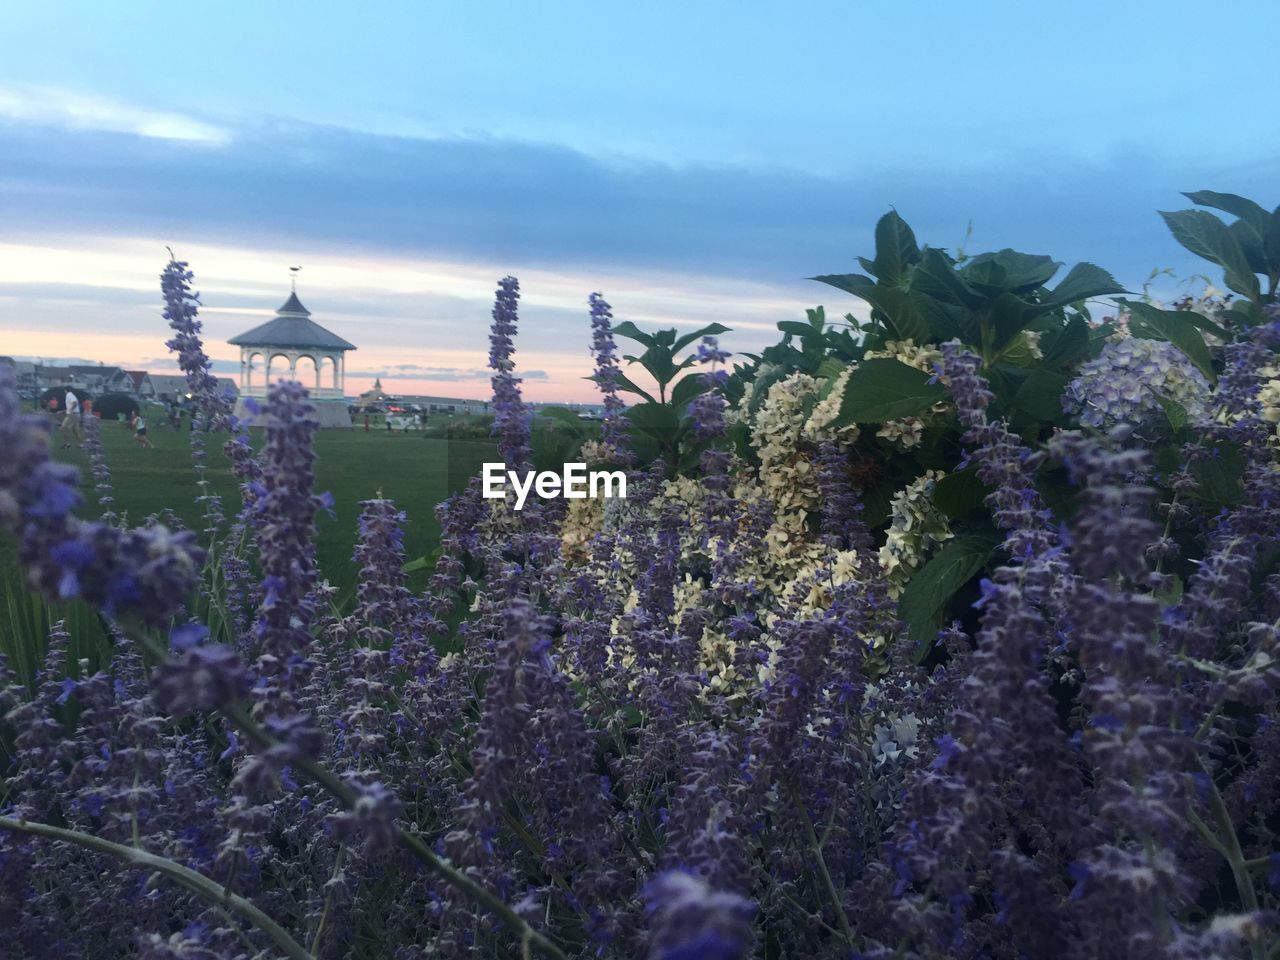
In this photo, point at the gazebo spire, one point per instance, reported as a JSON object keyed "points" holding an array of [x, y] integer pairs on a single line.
{"points": [[292, 346]]}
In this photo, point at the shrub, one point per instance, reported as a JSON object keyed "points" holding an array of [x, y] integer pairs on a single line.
{"points": [[898, 656]]}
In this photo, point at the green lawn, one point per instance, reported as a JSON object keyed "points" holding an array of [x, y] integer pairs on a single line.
{"points": [[351, 465]]}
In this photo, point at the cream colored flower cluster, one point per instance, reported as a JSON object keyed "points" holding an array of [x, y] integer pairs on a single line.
{"points": [[908, 431], [818, 427], [916, 527]]}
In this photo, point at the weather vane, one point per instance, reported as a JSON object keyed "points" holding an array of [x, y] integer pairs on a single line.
{"points": [[294, 271]]}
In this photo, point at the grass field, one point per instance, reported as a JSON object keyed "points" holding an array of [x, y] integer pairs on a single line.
{"points": [[351, 465]]}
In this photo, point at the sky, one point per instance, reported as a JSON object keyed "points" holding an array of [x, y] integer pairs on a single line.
{"points": [[692, 161]]}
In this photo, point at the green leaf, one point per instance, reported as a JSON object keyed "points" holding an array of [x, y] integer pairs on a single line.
{"points": [[1174, 411], [1271, 241], [795, 328], [927, 595], [1008, 271], [936, 276], [896, 249], [1250, 241], [710, 330], [959, 494], [1220, 476], [1064, 346], [946, 321], [831, 368], [895, 305], [1152, 323], [632, 332], [1082, 282], [1248, 211], [658, 420], [625, 383], [853, 283], [658, 361], [688, 388], [886, 389], [1206, 236], [1041, 395]]}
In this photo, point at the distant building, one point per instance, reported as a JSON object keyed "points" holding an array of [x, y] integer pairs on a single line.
{"points": [[294, 346], [142, 388], [168, 387], [99, 379], [376, 395]]}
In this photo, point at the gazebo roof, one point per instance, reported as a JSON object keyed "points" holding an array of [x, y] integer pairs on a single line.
{"points": [[292, 327]]}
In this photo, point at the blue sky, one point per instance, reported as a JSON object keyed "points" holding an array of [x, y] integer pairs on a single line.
{"points": [[693, 161]]}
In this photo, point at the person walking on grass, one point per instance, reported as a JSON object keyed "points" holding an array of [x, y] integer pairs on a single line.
{"points": [[71, 421], [140, 430]]}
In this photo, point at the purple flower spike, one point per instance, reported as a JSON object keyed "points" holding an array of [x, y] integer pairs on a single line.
{"points": [[511, 416], [690, 920], [608, 377]]}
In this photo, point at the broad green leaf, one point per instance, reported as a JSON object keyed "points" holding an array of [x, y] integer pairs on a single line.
{"points": [[1220, 476], [1153, 323], [886, 389], [831, 368], [959, 494], [1066, 345], [900, 313], [795, 328], [1271, 241], [1242, 207], [1007, 316], [927, 595], [689, 387], [1206, 236], [625, 383], [896, 249], [1082, 282], [658, 361], [1041, 395], [659, 420], [936, 276], [710, 330], [632, 332], [853, 283], [1174, 411], [1250, 245], [895, 305], [946, 321], [1008, 270]]}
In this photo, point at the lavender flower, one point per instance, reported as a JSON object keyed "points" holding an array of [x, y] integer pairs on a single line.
{"points": [[98, 464], [691, 920], [608, 377], [284, 515], [181, 309], [144, 572], [511, 417]]}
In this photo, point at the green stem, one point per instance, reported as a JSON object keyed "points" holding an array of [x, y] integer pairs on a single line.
{"points": [[197, 883]]}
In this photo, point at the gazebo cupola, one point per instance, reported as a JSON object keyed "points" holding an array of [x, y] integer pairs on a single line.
{"points": [[292, 346]]}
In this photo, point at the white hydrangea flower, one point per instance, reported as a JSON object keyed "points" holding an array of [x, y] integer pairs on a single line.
{"points": [[915, 528]]}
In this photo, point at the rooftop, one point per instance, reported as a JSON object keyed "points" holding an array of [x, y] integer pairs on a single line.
{"points": [[292, 327]]}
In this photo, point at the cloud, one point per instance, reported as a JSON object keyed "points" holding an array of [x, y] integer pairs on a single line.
{"points": [[75, 110], [415, 371], [536, 206]]}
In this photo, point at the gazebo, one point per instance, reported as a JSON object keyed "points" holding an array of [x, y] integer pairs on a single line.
{"points": [[293, 346]]}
